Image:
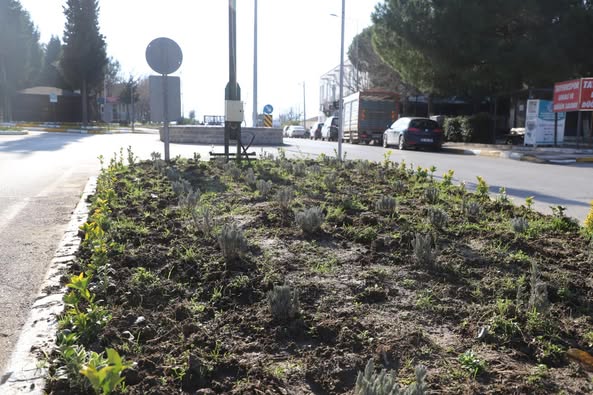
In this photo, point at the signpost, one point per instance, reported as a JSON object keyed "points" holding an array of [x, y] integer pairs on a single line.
{"points": [[574, 95], [268, 110], [53, 100], [164, 56]]}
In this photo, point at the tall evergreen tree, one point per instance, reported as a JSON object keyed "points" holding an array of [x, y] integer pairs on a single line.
{"points": [[84, 56], [20, 53], [51, 73]]}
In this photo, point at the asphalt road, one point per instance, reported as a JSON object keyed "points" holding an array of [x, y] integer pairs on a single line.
{"points": [[43, 174]]}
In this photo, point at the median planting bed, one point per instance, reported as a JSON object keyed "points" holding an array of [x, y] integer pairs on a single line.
{"points": [[289, 276]]}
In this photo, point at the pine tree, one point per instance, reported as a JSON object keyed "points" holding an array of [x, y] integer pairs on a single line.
{"points": [[20, 53], [84, 57], [50, 73]]}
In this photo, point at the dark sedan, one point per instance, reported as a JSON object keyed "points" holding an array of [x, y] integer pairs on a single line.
{"points": [[413, 132]]}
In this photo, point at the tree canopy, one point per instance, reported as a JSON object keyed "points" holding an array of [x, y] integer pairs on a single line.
{"points": [[20, 53], [51, 74], [473, 47], [84, 57]]}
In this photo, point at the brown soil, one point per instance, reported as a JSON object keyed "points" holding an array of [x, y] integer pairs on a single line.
{"points": [[195, 323]]}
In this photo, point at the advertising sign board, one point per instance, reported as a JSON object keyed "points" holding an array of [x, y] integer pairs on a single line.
{"points": [[586, 99], [567, 96], [539, 123], [574, 95]]}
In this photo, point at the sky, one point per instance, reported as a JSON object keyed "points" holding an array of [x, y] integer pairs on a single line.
{"points": [[298, 41]]}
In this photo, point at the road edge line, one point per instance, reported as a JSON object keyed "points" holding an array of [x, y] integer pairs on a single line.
{"points": [[24, 374]]}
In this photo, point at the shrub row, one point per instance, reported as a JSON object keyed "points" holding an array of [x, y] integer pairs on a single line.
{"points": [[475, 128]]}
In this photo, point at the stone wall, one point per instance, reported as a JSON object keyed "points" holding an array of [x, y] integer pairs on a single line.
{"points": [[214, 135]]}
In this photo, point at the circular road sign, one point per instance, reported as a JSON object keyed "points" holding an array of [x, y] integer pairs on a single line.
{"points": [[268, 109], [164, 55]]}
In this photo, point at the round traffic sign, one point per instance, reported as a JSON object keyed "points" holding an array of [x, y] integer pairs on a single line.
{"points": [[268, 109], [164, 55]]}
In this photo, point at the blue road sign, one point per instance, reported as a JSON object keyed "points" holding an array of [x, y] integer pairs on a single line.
{"points": [[268, 109]]}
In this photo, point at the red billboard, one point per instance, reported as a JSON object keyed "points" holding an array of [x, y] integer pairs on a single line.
{"points": [[574, 95], [567, 96], [586, 102]]}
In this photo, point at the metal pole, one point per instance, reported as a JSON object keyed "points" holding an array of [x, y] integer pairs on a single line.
{"points": [[133, 110], [341, 104], [255, 66], [555, 129], [579, 126], [166, 116], [304, 108]]}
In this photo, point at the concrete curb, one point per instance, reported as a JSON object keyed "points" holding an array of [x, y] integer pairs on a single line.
{"points": [[78, 131], [13, 132], [520, 156], [25, 373]]}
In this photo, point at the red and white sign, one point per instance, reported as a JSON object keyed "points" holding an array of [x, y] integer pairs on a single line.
{"points": [[586, 103], [567, 96], [575, 95]]}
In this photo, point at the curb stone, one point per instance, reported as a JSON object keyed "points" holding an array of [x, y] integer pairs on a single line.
{"points": [[25, 372]]}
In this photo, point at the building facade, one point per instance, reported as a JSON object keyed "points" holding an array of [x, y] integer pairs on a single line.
{"points": [[329, 86]]}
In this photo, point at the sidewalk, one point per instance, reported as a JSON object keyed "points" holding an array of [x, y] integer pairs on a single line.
{"points": [[77, 128], [551, 155]]}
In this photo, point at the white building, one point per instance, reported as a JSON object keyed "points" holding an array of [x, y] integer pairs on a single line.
{"points": [[329, 86]]}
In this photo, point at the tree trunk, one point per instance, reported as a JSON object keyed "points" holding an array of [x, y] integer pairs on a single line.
{"points": [[85, 104], [429, 105]]}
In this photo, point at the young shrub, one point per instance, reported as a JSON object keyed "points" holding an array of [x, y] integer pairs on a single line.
{"points": [[310, 219], [232, 241], [588, 224], [232, 170], [424, 254], [283, 302], [448, 179], [264, 187], [363, 167], [482, 188], [154, 156], [250, 178], [284, 197], [502, 197], [538, 292], [330, 181], [385, 383], [203, 220], [399, 187], [298, 169], [438, 218], [432, 194], [472, 210], [315, 170], [386, 205], [181, 187], [519, 225]]}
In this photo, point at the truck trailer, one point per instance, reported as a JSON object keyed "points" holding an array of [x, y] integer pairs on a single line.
{"points": [[367, 114]]}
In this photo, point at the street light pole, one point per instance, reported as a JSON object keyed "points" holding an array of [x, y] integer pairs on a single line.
{"points": [[341, 104], [304, 108], [255, 66]]}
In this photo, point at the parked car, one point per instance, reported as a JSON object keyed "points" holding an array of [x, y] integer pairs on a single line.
{"points": [[414, 132], [295, 131], [285, 131], [329, 131], [315, 131]]}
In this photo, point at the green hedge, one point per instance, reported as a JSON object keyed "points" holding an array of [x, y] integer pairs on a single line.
{"points": [[475, 128]]}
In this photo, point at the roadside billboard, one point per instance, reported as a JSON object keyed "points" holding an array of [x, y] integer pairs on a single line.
{"points": [[574, 95]]}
